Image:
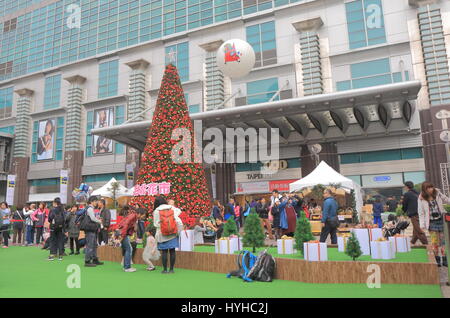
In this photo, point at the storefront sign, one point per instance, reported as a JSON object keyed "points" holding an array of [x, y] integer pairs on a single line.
{"points": [[152, 188], [63, 180], [10, 187], [252, 187], [280, 185], [286, 174], [377, 181]]}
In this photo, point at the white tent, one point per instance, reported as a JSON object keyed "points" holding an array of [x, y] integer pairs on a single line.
{"points": [[106, 190], [325, 175]]}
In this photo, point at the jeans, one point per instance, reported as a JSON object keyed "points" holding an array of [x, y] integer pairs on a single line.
{"points": [[5, 234], [328, 229], [39, 231], [57, 242], [91, 246], [377, 220], [30, 234], [126, 245]]}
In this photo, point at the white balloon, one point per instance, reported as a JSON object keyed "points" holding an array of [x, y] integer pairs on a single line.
{"points": [[235, 58]]}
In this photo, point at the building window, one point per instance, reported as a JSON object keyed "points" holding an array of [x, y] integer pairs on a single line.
{"points": [[383, 155], [262, 91], [105, 177], [9, 25], [6, 102], [8, 130], [178, 55], [365, 23], [194, 109], [48, 140], [52, 92], [416, 177], [108, 79], [99, 118], [262, 38], [371, 73]]}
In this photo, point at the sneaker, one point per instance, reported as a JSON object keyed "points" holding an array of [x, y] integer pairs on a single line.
{"points": [[89, 264], [60, 258], [5, 246], [130, 270], [51, 258], [150, 269], [164, 272], [97, 262]]}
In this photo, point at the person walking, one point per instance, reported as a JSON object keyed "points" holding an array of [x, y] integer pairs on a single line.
{"points": [[126, 229], [73, 230], [91, 226], [29, 228], [330, 221], [57, 220], [378, 208], [39, 216], [431, 216], [18, 220], [262, 208], [229, 210], [105, 217], [164, 217], [5, 214], [409, 205]]}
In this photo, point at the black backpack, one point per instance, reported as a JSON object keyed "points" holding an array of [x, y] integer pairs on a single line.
{"points": [[86, 223], [264, 268], [58, 218]]}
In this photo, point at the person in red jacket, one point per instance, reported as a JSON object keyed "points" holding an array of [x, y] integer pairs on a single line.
{"points": [[126, 229]]}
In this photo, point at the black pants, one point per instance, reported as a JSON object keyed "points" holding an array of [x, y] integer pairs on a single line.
{"points": [[72, 241], [103, 236], [328, 229], [172, 258], [5, 234], [57, 242], [39, 231]]}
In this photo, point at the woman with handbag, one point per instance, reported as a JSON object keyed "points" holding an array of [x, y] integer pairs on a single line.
{"points": [[431, 216]]}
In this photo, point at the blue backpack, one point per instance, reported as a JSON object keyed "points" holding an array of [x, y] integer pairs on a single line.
{"points": [[245, 261]]}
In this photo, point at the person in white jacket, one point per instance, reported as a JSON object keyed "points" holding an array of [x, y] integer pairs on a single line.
{"points": [[150, 252], [167, 243]]}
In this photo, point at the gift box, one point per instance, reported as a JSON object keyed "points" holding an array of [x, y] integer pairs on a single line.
{"points": [[315, 251], [228, 245], [285, 246], [400, 243], [342, 242], [186, 238], [382, 250], [365, 236]]}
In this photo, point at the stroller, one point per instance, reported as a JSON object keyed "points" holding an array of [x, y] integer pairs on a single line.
{"points": [[401, 226]]}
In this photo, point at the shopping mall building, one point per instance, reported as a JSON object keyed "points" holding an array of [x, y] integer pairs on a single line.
{"points": [[362, 78]]}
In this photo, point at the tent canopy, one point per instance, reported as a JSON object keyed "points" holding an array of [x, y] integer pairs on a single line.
{"points": [[106, 190], [325, 175]]}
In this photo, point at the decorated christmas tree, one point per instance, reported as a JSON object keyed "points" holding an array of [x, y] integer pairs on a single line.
{"points": [[353, 248], [230, 227], [302, 232], [253, 232], [160, 162]]}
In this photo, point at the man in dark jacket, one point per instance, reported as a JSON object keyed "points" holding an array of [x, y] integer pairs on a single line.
{"points": [[57, 219], [262, 208], [105, 217], [329, 214], [409, 205]]}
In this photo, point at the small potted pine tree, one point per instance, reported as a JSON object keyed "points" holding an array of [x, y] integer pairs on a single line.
{"points": [[353, 248], [302, 232], [253, 233], [230, 228]]}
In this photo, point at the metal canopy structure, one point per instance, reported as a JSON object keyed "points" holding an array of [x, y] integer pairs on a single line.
{"points": [[359, 113]]}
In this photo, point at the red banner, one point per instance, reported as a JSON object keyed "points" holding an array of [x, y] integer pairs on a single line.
{"points": [[280, 185]]}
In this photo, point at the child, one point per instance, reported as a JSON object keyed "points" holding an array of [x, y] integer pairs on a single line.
{"points": [[73, 230], [150, 253], [390, 225]]}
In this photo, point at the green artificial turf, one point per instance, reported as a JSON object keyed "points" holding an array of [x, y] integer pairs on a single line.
{"points": [[25, 272], [417, 255]]}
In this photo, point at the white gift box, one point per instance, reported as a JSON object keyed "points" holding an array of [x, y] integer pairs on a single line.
{"points": [[342, 243], [228, 245], [315, 251], [285, 246], [400, 244], [186, 238], [365, 236], [382, 250]]}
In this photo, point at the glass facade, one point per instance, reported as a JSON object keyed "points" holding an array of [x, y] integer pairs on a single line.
{"points": [[6, 102], [108, 79], [371, 73], [105, 177], [66, 31], [178, 55], [263, 40], [365, 23], [262, 91], [384, 155], [52, 92]]}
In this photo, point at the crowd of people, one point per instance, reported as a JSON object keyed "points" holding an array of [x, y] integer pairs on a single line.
{"points": [[89, 225]]}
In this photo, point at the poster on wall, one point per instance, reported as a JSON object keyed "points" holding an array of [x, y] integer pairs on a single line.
{"points": [[130, 175], [10, 186], [46, 139], [103, 118], [63, 180]]}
